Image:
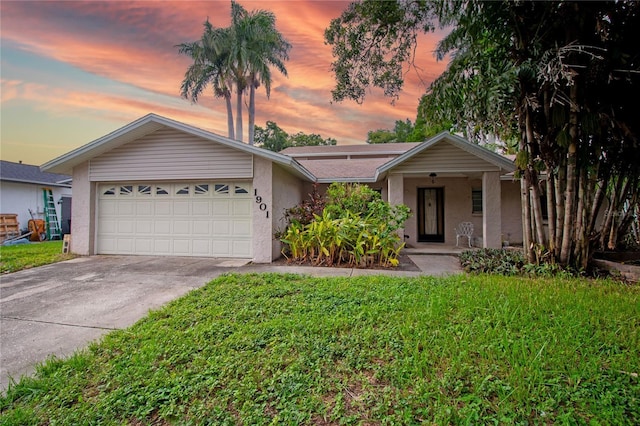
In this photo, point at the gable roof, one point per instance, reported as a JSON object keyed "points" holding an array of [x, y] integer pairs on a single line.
{"points": [[503, 163], [151, 123], [27, 173]]}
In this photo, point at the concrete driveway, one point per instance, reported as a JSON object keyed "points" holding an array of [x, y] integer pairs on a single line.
{"points": [[59, 308]]}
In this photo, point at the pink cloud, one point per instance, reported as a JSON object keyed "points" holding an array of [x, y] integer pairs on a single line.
{"points": [[134, 43]]}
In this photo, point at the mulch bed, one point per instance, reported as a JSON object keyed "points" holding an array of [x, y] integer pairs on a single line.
{"points": [[406, 264]]}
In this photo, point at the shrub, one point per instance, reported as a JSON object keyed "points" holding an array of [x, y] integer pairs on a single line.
{"points": [[507, 262], [494, 261], [304, 212], [355, 228]]}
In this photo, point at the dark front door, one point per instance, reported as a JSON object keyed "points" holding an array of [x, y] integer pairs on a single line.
{"points": [[431, 215]]}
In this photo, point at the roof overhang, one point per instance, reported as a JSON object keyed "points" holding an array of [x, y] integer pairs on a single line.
{"points": [[149, 124], [61, 184]]}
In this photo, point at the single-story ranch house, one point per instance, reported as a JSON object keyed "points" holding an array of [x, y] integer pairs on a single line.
{"points": [[160, 187]]}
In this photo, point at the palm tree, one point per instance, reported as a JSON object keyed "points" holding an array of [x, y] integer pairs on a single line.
{"points": [[210, 57], [257, 45], [240, 55]]}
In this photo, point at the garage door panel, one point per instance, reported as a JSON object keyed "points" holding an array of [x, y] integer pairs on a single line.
{"points": [[144, 245], [242, 227], [109, 226], [107, 208], [163, 208], [181, 208], [107, 245], [162, 227], [126, 226], [241, 248], [242, 207], [201, 227], [221, 207], [181, 247], [144, 208], [125, 245], [201, 247], [162, 246], [144, 226], [181, 227], [183, 219], [126, 208], [221, 227], [221, 248], [201, 208]]}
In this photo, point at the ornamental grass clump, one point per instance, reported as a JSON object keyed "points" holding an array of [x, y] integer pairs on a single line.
{"points": [[356, 228]]}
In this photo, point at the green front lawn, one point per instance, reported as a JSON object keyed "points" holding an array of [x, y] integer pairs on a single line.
{"points": [[23, 256], [286, 349]]}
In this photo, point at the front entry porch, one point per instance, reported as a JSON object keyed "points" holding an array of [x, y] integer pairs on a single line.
{"points": [[440, 203]]}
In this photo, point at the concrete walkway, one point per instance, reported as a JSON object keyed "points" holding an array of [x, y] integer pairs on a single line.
{"points": [[60, 308]]}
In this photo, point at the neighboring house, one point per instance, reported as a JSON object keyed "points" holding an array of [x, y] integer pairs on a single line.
{"points": [[157, 186], [22, 189]]}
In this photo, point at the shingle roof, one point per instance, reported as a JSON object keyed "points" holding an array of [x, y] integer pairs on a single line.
{"points": [[357, 168], [387, 148], [27, 173]]}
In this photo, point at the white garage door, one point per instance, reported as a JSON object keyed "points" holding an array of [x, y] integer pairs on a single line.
{"points": [[175, 219]]}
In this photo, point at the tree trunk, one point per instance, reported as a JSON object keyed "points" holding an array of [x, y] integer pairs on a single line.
{"points": [[240, 90], [551, 211], [526, 216], [252, 111], [227, 99], [570, 193], [561, 183], [538, 227], [581, 250]]}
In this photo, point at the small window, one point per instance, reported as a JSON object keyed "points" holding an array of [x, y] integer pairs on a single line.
{"points": [[241, 190], [161, 191], [126, 190], [144, 190], [201, 189], [221, 188], [110, 191], [183, 191], [476, 201]]}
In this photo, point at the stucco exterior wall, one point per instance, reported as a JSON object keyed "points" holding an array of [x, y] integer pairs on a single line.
{"points": [[18, 198], [288, 193], [511, 212], [83, 210], [262, 216]]}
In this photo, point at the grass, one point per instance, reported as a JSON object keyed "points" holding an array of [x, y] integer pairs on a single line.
{"points": [[24, 256], [286, 349]]}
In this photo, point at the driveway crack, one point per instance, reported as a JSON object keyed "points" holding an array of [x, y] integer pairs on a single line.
{"points": [[58, 323]]}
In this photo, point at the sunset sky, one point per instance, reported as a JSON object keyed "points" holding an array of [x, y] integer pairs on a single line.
{"points": [[72, 72]]}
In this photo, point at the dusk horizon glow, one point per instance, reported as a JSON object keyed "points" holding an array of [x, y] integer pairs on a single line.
{"points": [[74, 71]]}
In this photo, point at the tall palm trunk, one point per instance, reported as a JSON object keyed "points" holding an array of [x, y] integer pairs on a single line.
{"points": [[240, 90], [252, 110], [227, 100]]}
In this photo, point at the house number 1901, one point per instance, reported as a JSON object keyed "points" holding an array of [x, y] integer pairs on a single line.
{"points": [[262, 206]]}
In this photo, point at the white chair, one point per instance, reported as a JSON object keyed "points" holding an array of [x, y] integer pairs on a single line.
{"points": [[464, 229]]}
